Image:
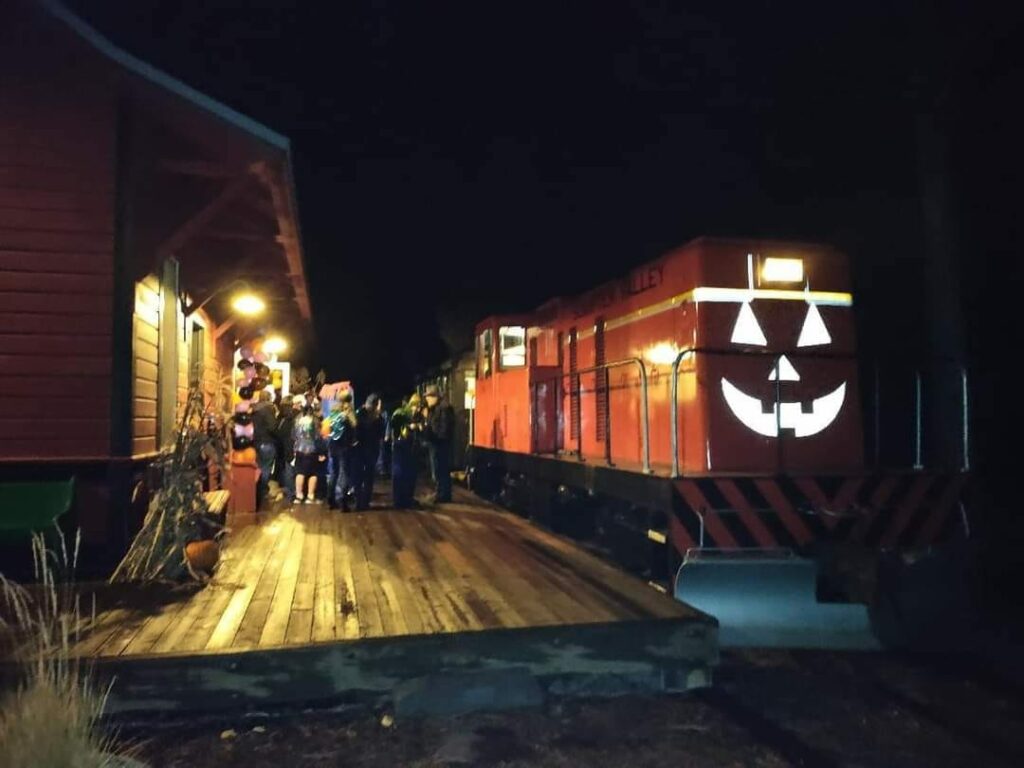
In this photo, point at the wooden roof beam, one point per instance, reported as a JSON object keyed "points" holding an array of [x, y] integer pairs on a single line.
{"points": [[288, 237], [200, 220]]}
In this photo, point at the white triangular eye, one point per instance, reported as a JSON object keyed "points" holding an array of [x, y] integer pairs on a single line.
{"points": [[814, 331], [747, 330], [785, 370]]}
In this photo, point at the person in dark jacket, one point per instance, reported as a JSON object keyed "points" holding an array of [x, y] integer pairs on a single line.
{"points": [[286, 448], [384, 459], [438, 432], [264, 426], [369, 434], [404, 432]]}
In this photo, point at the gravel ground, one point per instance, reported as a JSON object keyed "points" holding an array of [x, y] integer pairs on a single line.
{"points": [[767, 709]]}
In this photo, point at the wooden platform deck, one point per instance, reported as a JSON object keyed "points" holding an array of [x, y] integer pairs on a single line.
{"points": [[424, 589]]}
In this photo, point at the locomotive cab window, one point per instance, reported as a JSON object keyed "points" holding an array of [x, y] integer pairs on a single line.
{"points": [[485, 349], [512, 339]]}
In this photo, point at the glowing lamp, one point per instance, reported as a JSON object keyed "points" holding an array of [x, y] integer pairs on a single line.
{"points": [[248, 304], [663, 353], [782, 270], [275, 345]]}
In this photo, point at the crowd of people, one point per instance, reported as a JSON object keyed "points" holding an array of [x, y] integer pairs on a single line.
{"points": [[337, 458]]}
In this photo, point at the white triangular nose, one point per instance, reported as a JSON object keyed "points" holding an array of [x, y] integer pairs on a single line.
{"points": [[784, 369]]}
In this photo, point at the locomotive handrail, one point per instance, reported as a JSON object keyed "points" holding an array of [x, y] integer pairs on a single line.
{"points": [[645, 442], [674, 417]]}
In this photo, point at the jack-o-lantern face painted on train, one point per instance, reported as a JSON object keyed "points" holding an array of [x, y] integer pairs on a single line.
{"points": [[802, 417], [778, 370]]}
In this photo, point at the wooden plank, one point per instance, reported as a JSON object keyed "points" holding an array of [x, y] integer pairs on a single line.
{"points": [[155, 627], [72, 221], [63, 262], [418, 616], [371, 611], [56, 155], [146, 334], [496, 565], [349, 605], [54, 344], [61, 200], [251, 550], [34, 406], [478, 589], [144, 427], [230, 622], [58, 426], [300, 622], [145, 389], [53, 179], [98, 364], [428, 584], [143, 445], [542, 598], [484, 600], [97, 446], [84, 325], [620, 585], [145, 351], [443, 578], [45, 240], [570, 598], [46, 304], [14, 385], [232, 557], [129, 626], [249, 631], [276, 627], [216, 501], [99, 631], [146, 371], [325, 610], [143, 407], [391, 613], [56, 283], [147, 315]]}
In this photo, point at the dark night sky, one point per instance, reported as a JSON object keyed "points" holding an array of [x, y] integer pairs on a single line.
{"points": [[458, 159]]}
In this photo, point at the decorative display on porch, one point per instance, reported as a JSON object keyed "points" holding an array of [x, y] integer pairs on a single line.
{"points": [[178, 514]]}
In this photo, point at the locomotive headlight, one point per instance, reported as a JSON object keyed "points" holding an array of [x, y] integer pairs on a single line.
{"points": [[782, 270]]}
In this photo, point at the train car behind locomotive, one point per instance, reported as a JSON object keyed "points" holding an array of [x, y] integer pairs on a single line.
{"points": [[711, 401]]}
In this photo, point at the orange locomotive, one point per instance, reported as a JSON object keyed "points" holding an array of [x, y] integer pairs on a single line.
{"points": [[712, 397]]}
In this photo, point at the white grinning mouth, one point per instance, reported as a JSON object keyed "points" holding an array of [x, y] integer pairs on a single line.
{"points": [[790, 414]]}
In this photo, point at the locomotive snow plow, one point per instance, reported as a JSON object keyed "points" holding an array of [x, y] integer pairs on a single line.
{"points": [[768, 599]]}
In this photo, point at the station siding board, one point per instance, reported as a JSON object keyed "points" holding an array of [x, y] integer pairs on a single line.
{"points": [[145, 362], [56, 253]]}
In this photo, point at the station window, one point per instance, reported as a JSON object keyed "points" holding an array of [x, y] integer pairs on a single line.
{"points": [[512, 346], [485, 348]]}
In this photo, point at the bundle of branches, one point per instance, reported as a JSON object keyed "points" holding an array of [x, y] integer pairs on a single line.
{"points": [[178, 513]]}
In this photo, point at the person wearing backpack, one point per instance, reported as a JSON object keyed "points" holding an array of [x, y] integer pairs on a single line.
{"points": [[339, 432]]}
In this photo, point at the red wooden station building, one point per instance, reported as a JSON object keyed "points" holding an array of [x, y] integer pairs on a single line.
{"points": [[131, 205]]}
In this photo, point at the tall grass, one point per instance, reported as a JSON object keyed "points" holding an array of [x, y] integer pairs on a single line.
{"points": [[51, 717]]}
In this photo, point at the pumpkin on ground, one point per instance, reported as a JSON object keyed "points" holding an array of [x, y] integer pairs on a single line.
{"points": [[202, 555]]}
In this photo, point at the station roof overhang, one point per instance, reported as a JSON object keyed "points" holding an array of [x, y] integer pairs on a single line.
{"points": [[210, 186]]}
